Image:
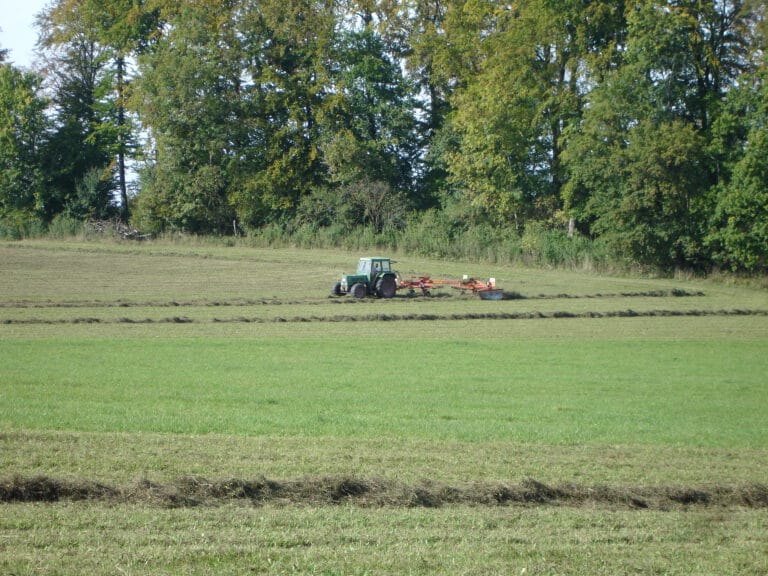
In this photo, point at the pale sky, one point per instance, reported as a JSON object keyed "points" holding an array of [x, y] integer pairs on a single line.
{"points": [[17, 33]]}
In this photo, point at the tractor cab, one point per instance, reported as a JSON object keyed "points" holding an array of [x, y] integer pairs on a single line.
{"points": [[372, 267]]}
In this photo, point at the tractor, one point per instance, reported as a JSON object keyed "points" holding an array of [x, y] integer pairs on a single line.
{"points": [[374, 276]]}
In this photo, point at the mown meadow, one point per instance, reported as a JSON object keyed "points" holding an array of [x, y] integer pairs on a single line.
{"points": [[195, 408]]}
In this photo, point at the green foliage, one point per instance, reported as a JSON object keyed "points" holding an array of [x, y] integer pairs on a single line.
{"points": [[88, 133], [638, 122], [370, 134], [744, 208], [740, 225], [541, 246], [644, 165], [184, 97], [92, 198], [376, 203], [652, 213], [23, 133], [429, 234], [65, 226], [519, 98], [20, 225], [434, 234], [233, 120], [91, 43]]}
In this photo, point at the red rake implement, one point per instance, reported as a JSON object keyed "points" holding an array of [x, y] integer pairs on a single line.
{"points": [[486, 290]]}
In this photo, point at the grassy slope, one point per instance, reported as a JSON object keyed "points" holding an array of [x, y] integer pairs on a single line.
{"points": [[644, 401]]}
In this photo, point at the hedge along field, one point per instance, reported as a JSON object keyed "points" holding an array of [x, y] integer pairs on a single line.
{"points": [[191, 408]]}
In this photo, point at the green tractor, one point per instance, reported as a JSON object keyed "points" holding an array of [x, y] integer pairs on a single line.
{"points": [[374, 276]]}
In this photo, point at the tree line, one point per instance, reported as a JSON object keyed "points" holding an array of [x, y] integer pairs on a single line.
{"points": [[640, 124]]}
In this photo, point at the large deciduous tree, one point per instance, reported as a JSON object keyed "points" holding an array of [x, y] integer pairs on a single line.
{"points": [[369, 136], [527, 72], [89, 44], [231, 97], [23, 130], [187, 98], [82, 142], [739, 237], [641, 167]]}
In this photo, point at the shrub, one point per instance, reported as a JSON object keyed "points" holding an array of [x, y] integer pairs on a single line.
{"points": [[65, 226], [20, 226], [434, 235]]}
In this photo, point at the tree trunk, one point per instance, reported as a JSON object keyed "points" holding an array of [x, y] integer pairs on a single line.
{"points": [[121, 145]]}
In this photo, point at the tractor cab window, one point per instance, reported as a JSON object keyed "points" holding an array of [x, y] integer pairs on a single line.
{"points": [[385, 267], [364, 267]]}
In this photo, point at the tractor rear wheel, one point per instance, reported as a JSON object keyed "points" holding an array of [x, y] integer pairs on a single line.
{"points": [[358, 290], [386, 287]]}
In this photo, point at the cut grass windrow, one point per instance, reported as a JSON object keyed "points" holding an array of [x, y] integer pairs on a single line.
{"points": [[395, 317], [377, 492], [240, 302]]}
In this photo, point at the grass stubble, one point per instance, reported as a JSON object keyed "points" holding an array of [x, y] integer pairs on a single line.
{"points": [[606, 465]]}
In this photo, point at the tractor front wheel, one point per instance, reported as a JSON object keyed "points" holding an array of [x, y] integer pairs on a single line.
{"points": [[386, 287], [358, 290], [336, 290]]}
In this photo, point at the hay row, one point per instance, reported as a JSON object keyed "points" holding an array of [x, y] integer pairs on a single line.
{"points": [[243, 302], [398, 317], [377, 492]]}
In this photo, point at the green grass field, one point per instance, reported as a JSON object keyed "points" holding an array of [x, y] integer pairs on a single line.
{"points": [[193, 408]]}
